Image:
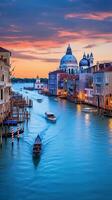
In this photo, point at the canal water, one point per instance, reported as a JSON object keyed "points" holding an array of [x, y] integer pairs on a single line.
{"points": [[76, 159]]}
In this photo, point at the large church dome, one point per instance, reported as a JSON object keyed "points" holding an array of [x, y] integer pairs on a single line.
{"points": [[68, 62]]}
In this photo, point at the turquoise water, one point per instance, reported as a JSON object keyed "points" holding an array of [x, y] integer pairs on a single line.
{"points": [[76, 159]]}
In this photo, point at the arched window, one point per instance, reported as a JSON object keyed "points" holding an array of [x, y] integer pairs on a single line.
{"points": [[2, 77], [72, 71], [69, 71]]}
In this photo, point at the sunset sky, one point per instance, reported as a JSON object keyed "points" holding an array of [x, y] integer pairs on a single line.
{"points": [[37, 32]]}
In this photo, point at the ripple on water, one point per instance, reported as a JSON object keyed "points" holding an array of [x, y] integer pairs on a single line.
{"points": [[76, 159]]}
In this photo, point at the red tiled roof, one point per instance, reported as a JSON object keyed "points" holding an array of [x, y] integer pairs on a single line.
{"points": [[68, 76], [4, 50], [57, 72]]}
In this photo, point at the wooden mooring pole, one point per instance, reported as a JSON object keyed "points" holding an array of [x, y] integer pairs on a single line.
{"points": [[12, 137]]}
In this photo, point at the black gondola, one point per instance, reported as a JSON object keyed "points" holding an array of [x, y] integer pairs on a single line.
{"points": [[37, 146]]}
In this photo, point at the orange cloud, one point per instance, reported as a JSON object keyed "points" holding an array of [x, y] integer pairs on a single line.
{"points": [[30, 69], [27, 44], [67, 33], [100, 16], [85, 35]]}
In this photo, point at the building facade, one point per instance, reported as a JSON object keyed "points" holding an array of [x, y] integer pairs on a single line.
{"points": [[72, 73], [86, 82], [57, 82], [38, 85], [85, 87], [5, 83], [102, 88]]}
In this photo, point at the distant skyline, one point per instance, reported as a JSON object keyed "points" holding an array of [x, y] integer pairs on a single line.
{"points": [[37, 32]]}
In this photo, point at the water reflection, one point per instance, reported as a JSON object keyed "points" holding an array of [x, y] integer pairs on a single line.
{"points": [[62, 102], [78, 108], [36, 160], [74, 161], [110, 125], [87, 119]]}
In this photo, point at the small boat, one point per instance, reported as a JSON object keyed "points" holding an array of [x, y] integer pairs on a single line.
{"points": [[29, 88], [55, 99], [39, 100], [10, 122], [62, 97], [37, 146], [50, 116], [89, 110]]}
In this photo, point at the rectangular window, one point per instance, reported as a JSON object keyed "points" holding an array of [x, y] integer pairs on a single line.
{"points": [[1, 94], [98, 89]]}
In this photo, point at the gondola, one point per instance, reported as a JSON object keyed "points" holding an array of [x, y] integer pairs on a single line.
{"points": [[37, 146]]}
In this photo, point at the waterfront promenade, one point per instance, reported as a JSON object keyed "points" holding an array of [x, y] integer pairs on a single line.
{"points": [[76, 159]]}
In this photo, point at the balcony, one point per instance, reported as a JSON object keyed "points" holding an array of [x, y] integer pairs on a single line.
{"points": [[8, 84]]}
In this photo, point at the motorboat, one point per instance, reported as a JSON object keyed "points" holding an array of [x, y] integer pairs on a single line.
{"points": [[62, 96], [55, 99], [37, 146], [89, 110], [39, 100], [50, 116]]}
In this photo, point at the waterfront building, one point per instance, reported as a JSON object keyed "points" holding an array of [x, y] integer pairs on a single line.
{"points": [[88, 83], [57, 82], [85, 87], [72, 86], [5, 83], [61, 81], [69, 68], [102, 86], [38, 84]]}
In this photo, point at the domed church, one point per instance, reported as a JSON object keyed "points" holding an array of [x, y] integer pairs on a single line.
{"points": [[68, 62], [86, 62]]}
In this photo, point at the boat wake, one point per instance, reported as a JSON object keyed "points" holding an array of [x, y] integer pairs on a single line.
{"points": [[43, 132]]}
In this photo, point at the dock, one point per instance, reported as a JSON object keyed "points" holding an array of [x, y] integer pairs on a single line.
{"points": [[19, 113]]}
